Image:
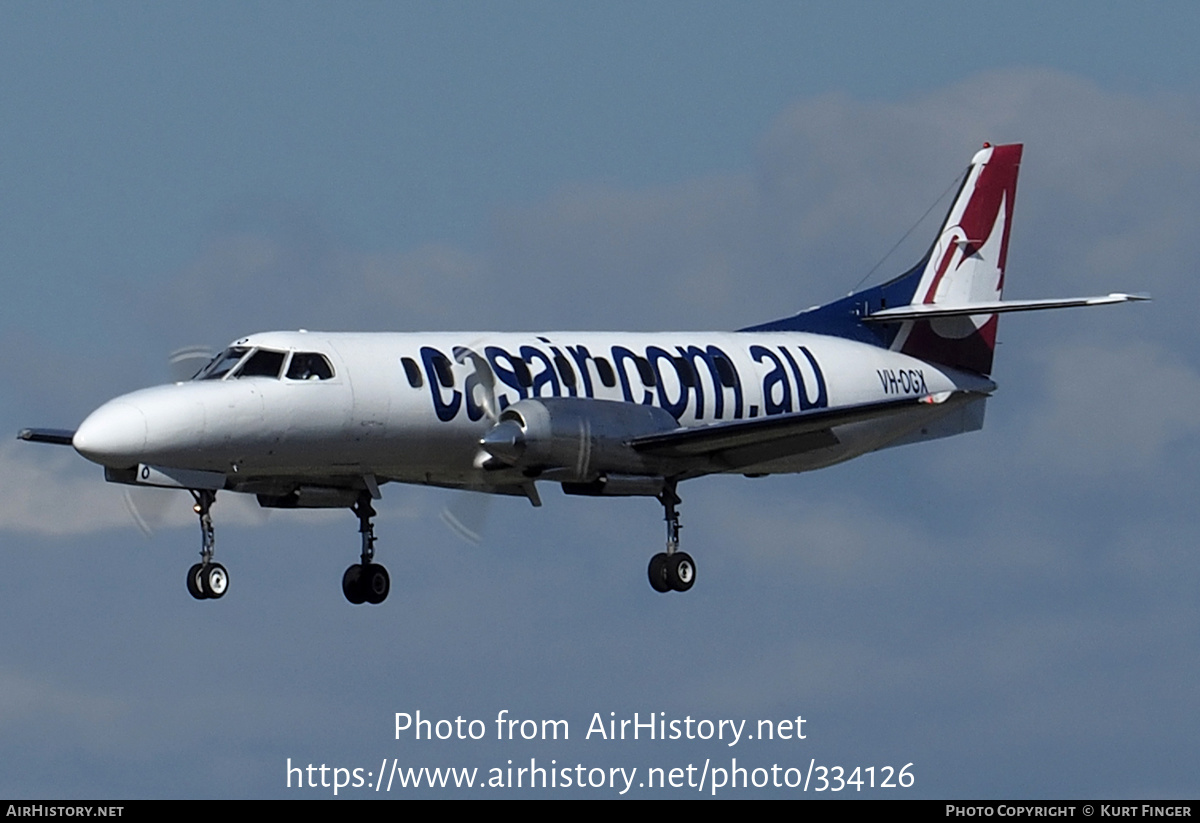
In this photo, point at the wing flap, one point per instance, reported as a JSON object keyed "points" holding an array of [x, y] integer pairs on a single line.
{"points": [[745, 442]]}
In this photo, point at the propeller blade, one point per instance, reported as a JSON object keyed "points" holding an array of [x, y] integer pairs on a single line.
{"points": [[150, 508], [186, 362], [466, 515], [483, 379]]}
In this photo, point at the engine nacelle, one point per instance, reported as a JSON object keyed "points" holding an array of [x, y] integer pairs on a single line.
{"points": [[575, 439]]}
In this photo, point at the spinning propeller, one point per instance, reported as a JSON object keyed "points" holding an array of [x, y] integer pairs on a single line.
{"points": [[467, 512]]}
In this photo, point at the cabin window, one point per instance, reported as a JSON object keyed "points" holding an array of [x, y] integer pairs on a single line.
{"points": [[524, 377], [412, 372], [607, 376], [309, 366], [687, 376], [645, 370], [725, 371], [442, 366], [565, 370]]}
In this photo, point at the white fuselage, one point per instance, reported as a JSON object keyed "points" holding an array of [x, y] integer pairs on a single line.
{"points": [[413, 407]]}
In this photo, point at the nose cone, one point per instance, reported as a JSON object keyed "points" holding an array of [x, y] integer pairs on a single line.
{"points": [[505, 441], [163, 425], [113, 435]]}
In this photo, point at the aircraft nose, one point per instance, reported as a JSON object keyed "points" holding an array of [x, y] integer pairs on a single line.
{"points": [[113, 435]]}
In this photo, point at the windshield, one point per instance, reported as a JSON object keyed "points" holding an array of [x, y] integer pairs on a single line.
{"points": [[222, 363], [263, 363], [237, 362]]}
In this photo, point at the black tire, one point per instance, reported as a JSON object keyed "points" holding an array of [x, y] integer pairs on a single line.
{"points": [[681, 571], [352, 585], [375, 583], [193, 582], [214, 581], [658, 573]]}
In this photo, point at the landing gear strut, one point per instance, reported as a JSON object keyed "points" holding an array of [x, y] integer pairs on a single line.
{"points": [[366, 581], [206, 580], [671, 570]]}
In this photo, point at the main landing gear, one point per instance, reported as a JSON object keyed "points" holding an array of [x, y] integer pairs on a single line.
{"points": [[671, 570], [366, 582], [206, 580]]}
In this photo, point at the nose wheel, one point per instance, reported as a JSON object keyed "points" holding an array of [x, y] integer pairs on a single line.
{"points": [[366, 581], [206, 580], [671, 570]]}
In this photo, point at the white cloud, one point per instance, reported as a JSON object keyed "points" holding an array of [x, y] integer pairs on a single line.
{"points": [[52, 491], [1114, 408]]}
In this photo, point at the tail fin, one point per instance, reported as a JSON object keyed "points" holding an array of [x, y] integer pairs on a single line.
{"points": [[964, 266]]}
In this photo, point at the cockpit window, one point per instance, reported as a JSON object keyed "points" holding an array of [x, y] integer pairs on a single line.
{"points": [[263, 363], [222, 363], [309, 366]]}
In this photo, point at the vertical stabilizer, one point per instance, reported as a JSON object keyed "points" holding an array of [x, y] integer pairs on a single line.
{"points": [[963, 267], [966, 265]]}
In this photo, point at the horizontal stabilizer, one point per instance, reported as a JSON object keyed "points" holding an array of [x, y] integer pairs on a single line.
{"points": [[59, 437], [929, 311]]}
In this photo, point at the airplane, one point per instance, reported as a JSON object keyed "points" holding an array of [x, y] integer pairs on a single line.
{"points": [[306, 419]]}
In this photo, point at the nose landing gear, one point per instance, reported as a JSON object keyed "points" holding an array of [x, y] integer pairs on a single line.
{"points": [[671, 570], [366, 581], [206, 580]]}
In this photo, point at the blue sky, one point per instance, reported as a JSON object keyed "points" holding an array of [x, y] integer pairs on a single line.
{"points": [[1013, 611]]}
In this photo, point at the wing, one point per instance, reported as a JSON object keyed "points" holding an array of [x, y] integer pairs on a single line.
{"points": [[742, 443]]}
